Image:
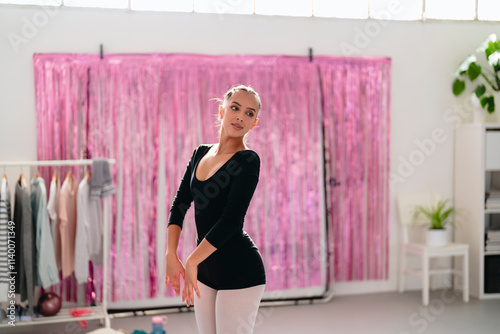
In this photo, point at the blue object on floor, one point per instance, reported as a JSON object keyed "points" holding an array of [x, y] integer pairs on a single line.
{"points": [[158, 324]]}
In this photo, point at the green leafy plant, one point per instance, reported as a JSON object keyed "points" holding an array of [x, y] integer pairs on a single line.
{"points": [[438, 215], [487, 72]]}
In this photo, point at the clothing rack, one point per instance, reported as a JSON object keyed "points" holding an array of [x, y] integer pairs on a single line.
{"points": [[98, 312]]}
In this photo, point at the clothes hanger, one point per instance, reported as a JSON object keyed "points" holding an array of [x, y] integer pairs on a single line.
{"points": [[54, 177], [22, 180], [71, 179], [86, 167]]}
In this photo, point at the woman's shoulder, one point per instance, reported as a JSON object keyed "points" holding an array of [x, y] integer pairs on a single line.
{"points": [[202, 148], [199, 151], [249, 152], [249, 157]]}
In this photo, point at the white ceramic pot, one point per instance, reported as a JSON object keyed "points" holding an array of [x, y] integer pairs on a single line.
{"points": [[478, 113], [436, 238]]}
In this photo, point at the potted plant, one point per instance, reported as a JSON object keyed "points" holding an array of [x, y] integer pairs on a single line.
{"points": [[485, 65], [438, 216]]}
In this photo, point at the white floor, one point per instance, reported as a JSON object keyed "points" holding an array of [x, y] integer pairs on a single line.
{"points": [[387, 313]]}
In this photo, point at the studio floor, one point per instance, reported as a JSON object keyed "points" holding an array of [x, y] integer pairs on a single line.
{"points": [[385, 313]]}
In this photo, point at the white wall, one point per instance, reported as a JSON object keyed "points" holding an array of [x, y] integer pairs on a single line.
{"points": [[423, 55]]}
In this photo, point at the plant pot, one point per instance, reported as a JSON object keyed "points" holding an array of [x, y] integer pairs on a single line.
{"points": [[478, 113], [436, 238]]}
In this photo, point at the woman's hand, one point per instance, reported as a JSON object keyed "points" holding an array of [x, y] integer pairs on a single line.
{"points": [[190, 283], [202, 251], [174, 271]]}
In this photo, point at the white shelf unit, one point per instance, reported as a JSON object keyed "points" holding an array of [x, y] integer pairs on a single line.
{"points": [[99, 312], [473, 176]]}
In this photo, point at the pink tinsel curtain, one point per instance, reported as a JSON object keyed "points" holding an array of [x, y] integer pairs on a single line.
{"points": [[116, 107], [285, 217], [124, 124], [356, 120]]}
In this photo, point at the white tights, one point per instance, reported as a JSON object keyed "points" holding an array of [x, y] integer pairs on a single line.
{"points": [[227, 311]]}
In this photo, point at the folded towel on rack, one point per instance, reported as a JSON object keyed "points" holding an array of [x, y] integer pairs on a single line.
{"points": [[101, 184]]}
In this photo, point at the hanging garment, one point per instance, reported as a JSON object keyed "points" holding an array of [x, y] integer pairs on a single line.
{"points": [[5, 217], [52, 209], [47, 272], [25, 254], [67, 216], [102, 183], [88, 232]]}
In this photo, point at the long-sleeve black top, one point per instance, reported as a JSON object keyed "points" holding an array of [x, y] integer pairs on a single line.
{"points": [[221, 201], [220, 205]]}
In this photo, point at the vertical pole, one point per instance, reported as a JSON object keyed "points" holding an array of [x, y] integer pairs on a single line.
{"points": [[465, 276], [425, 279], [105, 260]]}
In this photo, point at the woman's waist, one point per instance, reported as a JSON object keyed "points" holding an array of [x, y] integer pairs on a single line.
{"points": [[240, 250], [238, 236]]}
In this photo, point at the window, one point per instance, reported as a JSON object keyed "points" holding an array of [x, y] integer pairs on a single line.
{"points": [[224, 6], [164, 5], [488, 10], [284, 7], [396, 9], [450, 9], [33, 2], [353, 9], [97, 3], [485, 10]]}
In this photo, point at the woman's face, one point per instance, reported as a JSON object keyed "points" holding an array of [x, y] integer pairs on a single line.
{"points": [[239, 114]]}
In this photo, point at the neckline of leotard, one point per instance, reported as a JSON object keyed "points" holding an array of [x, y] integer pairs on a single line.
{"points": [[218, 170]]}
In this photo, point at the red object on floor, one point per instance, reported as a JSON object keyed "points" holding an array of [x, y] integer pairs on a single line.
{"points": [[78, 312]]}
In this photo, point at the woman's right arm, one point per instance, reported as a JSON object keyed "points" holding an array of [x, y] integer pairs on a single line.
{"points": [[180, 205], [175, 269]]}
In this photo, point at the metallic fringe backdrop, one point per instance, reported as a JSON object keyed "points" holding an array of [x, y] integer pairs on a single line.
{"points": [[356, 120], [117, 106]]}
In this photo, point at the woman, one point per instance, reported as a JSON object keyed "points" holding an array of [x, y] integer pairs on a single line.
{"points": [[224, 276]]}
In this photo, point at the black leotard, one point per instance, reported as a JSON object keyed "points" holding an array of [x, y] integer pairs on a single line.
{"points": [[220, 204]]}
